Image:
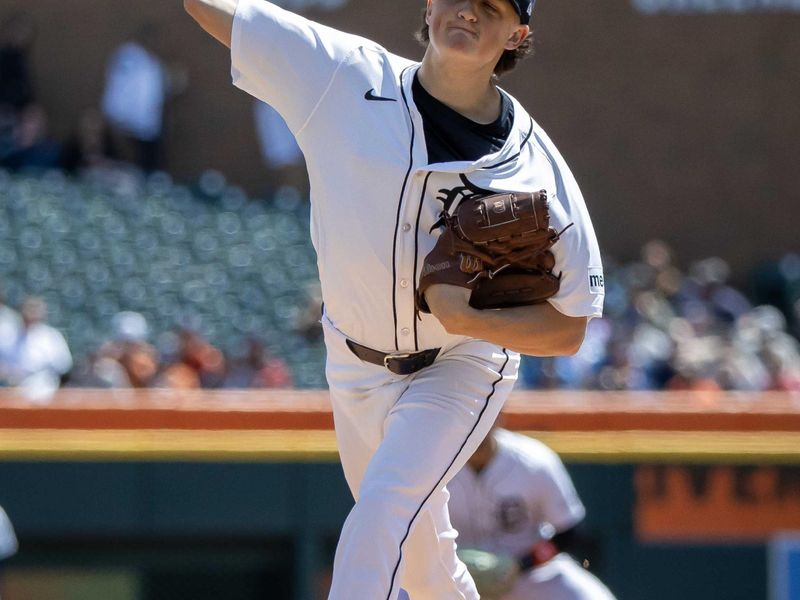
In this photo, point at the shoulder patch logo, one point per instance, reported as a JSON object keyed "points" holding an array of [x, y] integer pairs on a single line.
{"points": [[596, 281]]}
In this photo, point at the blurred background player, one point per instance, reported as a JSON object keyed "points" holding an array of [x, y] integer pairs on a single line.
{"points": [[515, 498], [8, 541]]}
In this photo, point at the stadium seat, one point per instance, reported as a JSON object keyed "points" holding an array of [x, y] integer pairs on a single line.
{"points": [[211, 258]]}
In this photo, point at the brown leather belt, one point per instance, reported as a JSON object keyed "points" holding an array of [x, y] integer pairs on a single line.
{"points": [[399, 363]]}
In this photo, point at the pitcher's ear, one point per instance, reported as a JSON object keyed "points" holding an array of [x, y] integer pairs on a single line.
{"points": [[520, 35]]}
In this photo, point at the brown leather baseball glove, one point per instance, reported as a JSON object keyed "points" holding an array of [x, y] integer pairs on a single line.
{"points": [[497, 246]]}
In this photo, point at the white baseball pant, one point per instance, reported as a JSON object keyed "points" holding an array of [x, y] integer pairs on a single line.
{"points": [[401, 439]]}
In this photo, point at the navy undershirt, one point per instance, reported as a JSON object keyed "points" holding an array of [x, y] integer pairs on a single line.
{"points": [[450, 136]]}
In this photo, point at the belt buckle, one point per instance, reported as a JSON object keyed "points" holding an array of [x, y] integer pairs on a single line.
{"points": [[389, 357]]}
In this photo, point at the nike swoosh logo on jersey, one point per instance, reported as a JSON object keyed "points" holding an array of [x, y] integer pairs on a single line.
{"points": [[370, 95]]}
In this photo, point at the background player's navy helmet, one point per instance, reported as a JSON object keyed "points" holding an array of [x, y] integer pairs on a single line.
{"points": [[524, 8]]}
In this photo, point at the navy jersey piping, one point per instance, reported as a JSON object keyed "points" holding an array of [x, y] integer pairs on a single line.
{"points": [[464, 443], [521, 146], [399, 206], [416, 252]]}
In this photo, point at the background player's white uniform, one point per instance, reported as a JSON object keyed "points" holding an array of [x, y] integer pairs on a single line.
{"points": [[502, 509], [375, 200], [8, 540]]}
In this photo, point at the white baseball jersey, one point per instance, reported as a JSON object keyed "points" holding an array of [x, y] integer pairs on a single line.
{"points": [[502, 508], [374, 202], [523, 491], [374, 195]]}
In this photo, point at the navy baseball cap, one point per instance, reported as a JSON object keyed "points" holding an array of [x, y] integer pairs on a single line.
{"points": [[524, 9]]}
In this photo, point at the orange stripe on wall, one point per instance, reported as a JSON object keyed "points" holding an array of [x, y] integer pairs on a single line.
{"points": [[294, 410]]}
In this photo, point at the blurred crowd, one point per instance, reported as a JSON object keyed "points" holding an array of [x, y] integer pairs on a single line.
{"points": [[664, 328], [128, 360], [35, 358], [125, 131], [126, 128]]}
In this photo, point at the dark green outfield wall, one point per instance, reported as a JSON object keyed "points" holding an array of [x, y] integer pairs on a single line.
{"points": [[261, 531]]}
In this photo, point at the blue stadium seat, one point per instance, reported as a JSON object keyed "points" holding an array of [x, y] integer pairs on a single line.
{"points": [[215, 259]]}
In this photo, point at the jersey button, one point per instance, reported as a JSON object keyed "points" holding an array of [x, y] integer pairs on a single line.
{"points": [[405, 331], [404, 283], [406, 227]]}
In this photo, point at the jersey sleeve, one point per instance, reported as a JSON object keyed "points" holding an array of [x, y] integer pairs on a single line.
{"points": [[577, 253], [284, 59], [558, 501]]}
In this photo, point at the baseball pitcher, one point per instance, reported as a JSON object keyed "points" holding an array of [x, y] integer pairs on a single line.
{"points": [[450, 237]]}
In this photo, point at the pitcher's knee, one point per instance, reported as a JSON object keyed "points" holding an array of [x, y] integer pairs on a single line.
{"points": [[382, 504]]}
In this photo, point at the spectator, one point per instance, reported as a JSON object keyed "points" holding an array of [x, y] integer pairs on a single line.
{"points": [[668, 330], [622, 371], [782, 361], [127, 360], [39, 357], [91, 146], [778, 283], [199, 364], [134, 353], [572, 372], [32, 147], [8, 128], [135, 92], [179, 376], [279, 149], [99, 370], [17, 34], [10, 326], [258, 369], [140, 361], [708, 281], [768, 350]]}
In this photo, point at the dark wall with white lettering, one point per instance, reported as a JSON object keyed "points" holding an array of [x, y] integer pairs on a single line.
{"points": [[679, 126]]}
